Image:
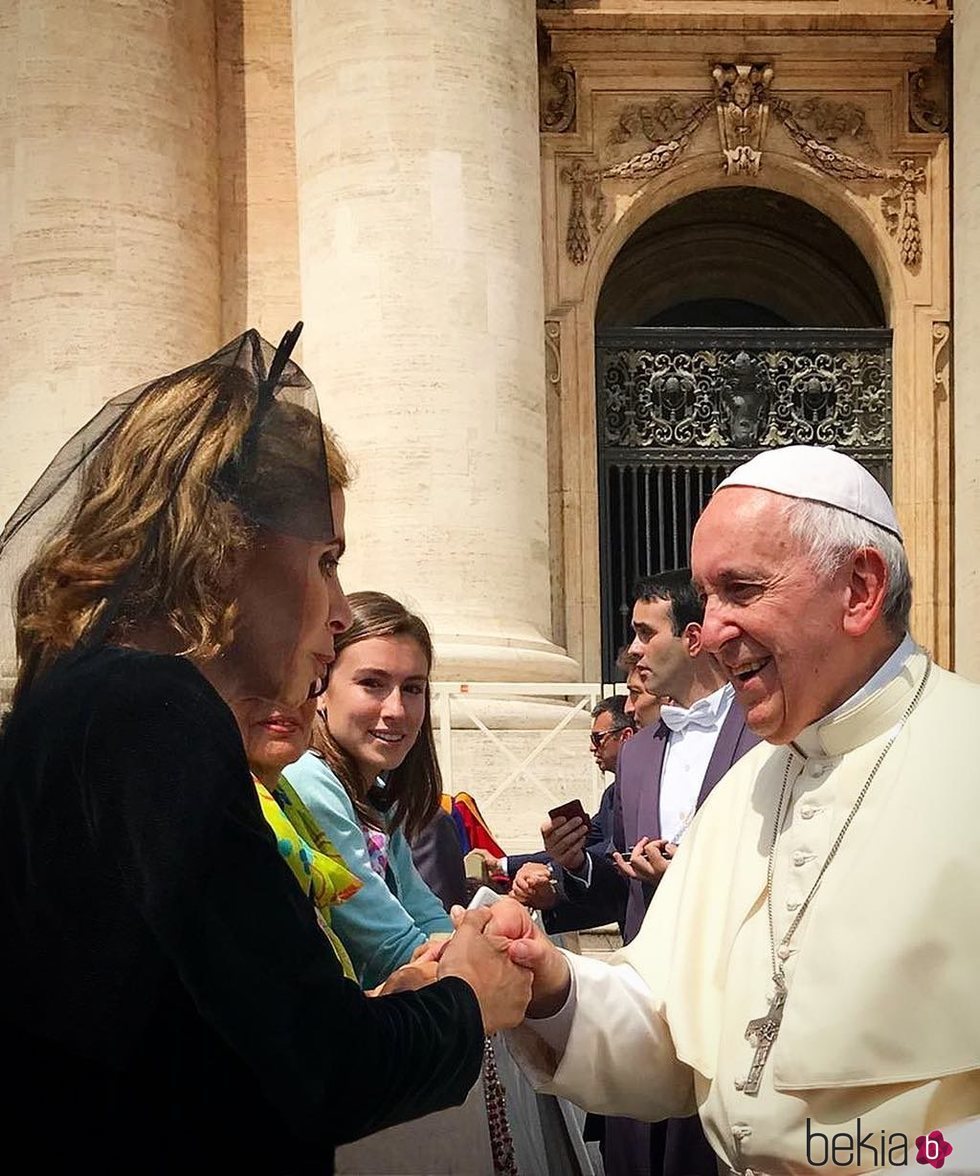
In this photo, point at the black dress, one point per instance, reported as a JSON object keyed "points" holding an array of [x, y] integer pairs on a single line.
{"points": [[167, 997]]}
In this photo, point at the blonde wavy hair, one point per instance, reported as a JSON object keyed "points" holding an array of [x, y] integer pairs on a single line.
{"points": [[147, 523]]}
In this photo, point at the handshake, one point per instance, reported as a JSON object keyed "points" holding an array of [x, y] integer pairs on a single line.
{"points": [[512, 966]]}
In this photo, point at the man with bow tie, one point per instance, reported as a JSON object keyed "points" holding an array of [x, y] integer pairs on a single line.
{"points": [[665, 773]]}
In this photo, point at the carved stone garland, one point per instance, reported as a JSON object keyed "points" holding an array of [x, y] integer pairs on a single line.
{"points": [[898, 203], [743, 105], [585, 182]]}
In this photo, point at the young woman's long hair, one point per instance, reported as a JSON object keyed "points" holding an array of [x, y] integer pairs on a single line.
{"points": [[410, 798]]}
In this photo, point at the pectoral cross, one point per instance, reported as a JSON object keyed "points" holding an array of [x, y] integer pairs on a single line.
{"points": [[761, 1033]]}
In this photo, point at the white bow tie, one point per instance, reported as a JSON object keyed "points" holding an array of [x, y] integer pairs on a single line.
{"points": [[677, 718]]}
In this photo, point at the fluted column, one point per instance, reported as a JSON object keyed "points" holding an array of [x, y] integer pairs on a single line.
{"points": [[966, 340], [421, 275], [109, 223]]}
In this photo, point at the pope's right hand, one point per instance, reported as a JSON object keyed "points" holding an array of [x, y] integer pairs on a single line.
{"points": [[481, 957], [532, 949]]}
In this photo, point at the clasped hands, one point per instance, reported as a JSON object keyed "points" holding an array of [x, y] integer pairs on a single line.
{"points": [[512, 966]]}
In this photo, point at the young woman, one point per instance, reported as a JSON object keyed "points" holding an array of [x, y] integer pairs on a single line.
{"points": [[168, 996], [372, 781]]}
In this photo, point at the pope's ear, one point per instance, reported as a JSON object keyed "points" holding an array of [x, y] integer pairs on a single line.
{"points": [[692, 638], [864, 590]]}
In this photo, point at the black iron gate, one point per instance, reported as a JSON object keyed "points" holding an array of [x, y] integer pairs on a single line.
{"points": [[678, 408]]}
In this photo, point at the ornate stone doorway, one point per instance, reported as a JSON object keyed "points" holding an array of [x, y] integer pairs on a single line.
{"points": [[732, 321], [837, 123]]}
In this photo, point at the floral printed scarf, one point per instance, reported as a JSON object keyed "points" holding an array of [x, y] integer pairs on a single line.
{"points": [[316, 864]]}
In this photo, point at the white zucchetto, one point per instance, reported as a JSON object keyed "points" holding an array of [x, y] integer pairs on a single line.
{"points": [[819, 475]]}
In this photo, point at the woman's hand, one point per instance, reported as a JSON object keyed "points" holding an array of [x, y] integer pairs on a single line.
{"points": [[502, 987], [530, 947], [408, 978]]}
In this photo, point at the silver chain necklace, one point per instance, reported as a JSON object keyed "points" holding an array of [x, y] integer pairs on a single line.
{"points": [[761, 1032]]}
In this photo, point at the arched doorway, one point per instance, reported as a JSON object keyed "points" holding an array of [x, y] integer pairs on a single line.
{"points": [[734, 320]]}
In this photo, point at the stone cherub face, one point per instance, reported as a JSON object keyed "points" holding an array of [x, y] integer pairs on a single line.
{"points": [[742, 93]]}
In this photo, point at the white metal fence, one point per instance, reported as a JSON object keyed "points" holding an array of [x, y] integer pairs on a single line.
{"points": [[520, 748]]}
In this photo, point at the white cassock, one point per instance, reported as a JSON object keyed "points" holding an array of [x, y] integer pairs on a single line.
{"points": [[882, 1018]]}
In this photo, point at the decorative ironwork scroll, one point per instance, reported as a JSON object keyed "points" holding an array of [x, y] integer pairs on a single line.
{"points": [[693, 390], [679, 409]]}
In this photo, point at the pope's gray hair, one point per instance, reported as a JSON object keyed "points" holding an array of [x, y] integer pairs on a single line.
{"points": [[829, 535]]}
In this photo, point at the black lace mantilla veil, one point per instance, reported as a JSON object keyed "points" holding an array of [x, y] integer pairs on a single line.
{"points": [[278, 477]]}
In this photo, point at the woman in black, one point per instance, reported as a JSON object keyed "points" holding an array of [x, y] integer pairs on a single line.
{"points": [[168, 998]]}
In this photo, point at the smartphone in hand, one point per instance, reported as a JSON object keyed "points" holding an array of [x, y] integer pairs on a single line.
{"points": [[569, 810]]}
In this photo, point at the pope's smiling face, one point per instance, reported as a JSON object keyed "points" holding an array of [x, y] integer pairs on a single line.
{"points": [[775, 625]]}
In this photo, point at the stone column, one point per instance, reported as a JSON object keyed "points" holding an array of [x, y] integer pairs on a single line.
{"points": [[421, 272], [966, 339], [256, 131], [109, 268]]}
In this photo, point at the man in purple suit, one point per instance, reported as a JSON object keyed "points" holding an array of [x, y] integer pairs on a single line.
{"points": [[664, 774]]}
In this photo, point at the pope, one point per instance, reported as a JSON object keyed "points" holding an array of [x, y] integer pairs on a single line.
{"points": [[805, 976]]}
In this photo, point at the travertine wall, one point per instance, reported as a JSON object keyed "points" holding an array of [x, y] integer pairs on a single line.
{"points": [[420, 254], [109, 267], [564, 771]]}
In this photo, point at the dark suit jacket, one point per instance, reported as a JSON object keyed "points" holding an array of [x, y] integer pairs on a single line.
{"points": [[610, 897], [437, 854]]}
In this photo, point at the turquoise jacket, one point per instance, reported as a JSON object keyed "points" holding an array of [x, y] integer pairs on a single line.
{"points": [[379, 929]]}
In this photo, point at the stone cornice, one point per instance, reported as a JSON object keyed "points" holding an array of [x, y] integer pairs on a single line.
{"points": [[766, 11], [896, 19]]}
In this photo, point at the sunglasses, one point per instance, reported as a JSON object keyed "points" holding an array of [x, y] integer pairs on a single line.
{"points": [[598, 738]]}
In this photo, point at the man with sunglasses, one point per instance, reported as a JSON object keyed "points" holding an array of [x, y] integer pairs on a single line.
{"points": [[536, 881], [611, 727]]}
